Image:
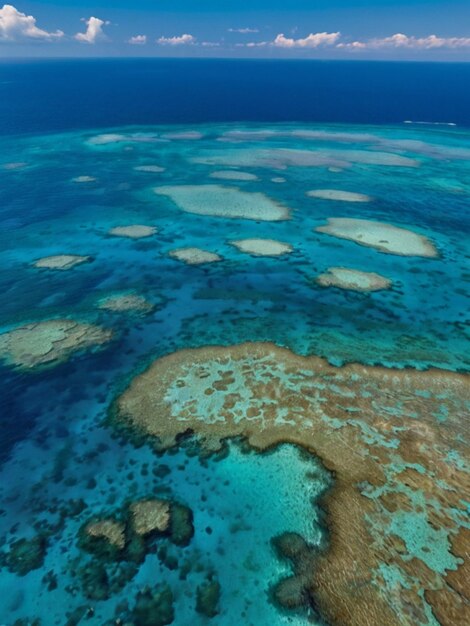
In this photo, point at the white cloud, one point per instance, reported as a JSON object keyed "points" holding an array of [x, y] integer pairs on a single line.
{"points": [[210, 44], [94, 30], [243, 31], [176, 41], [15, 26], [254, 44], [314, 40], [355, 45], [138, 40], [399, 40]]}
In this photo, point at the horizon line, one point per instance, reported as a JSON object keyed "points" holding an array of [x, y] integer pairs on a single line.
{"points": [[228, 58]]}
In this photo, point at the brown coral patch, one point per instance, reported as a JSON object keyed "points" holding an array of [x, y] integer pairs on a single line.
{"points": [[396, 504], [110, 530], [149, 516]]}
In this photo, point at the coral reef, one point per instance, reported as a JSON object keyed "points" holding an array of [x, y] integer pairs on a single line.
{"points": [[207, 597], [106, 138], [181, 524], [149, 516], [281, 158], [61, 261], [133, 231], [394, 439], [18, 165], [153, 607], [183, 134], [119, 542], [84, 179], [355, 280], [104, 533], [151, 169], [26, 555], [194, 256], [126, 302], [294, 591], [232, 175], [336, 194], [220, 201], [381, 236], [49, 342], [262, 247]]}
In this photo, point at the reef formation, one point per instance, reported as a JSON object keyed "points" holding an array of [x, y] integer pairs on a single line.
{"points": [[61, 261], [355, 280], [194, 256], [336, 194], [393, 439], [151, 169], [262, 247], [133, 231], [48, 343], [126, 302], [381, 236], [233, 175], [220, 201]]}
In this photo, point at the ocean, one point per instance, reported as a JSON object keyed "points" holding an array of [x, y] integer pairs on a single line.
{"points": [[59, 95], [234, 342]]}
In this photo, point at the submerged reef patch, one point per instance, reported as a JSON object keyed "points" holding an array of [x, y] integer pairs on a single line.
{"points": [[194, 256], [151, 169], [61, 261], [355, 280], [262, 247], [184, 134], [133, 231], [336, 194], [126, 302], [26, 555], [397, 508], [220, 201], [16, 165], [106, 138], [112, 547], [295, 591], [84, 179], [276, 158], [381, 236], [207, 598], [50, 342], [281, 158], [233, 175]]}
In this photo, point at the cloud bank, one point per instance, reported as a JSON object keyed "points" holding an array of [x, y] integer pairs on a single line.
{"points": [[417, 43], [182, 40], [138, 40], [94, 31], [314, 40], [16, 26], [243, 31]]}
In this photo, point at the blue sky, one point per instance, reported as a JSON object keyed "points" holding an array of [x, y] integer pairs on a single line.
{"points": [[353, 29]]}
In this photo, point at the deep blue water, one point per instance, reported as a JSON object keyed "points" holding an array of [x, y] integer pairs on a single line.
{"points": [[38, 96]]}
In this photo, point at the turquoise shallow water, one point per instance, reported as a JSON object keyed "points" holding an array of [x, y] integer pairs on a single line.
{"points": [[56, 448]]}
